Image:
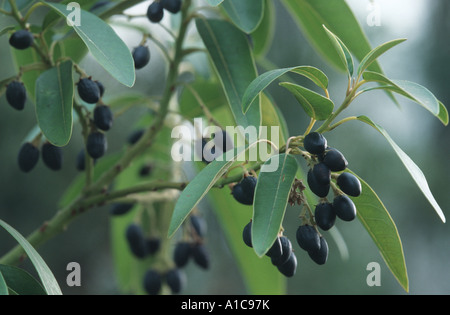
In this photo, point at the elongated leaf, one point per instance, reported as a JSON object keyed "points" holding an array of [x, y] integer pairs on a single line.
{"points": [[48, 279], [271, 197], [246, 15], [104, 44], [20, 281], [443, 114], [272, 117], [378, 223], [377, 52], [54, 101], [412, 168], [315, 105], [342, 50], [265, 79], [231, 55], [3, 286], [262, 37]]}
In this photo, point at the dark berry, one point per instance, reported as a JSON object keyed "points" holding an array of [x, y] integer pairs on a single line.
{"points": [[182, 253], [316, 188], [173, 6], [325, 216], [335, 160], [201, 255], [101, 88], [344, 208], [28, 157], [289, 268], [223, 141], [349, 184], [96, 144], [308, 238], [141, 56], [322, 174], [120, 208], [199, 225], [249, 185], [153, 244], [247, 234], [320, 256], [152, 282], [52, 156], [103, 117], [286, 247], [208, 152], [176, 280], [135, 136], [276, 250], [21, 39], [315, 143], [239, 195], [155, 12], [146, 170], [16, 95], [136, 240], [88, 91]]}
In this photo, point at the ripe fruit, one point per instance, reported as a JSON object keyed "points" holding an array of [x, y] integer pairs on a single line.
{"points": [[152, 244], [223, 141], [96, 144], [146, 170], [101, 87], [120, 208], [325, 216], [289, 267], [88, 91], [276, 250], [141, 56], [316, 188], [320, 256], [52, 156], [175, 279], [28, 157], [286, 247], [173, 6], [208, 152], [308, 238], [344, 208], [135, 136], [322, 174], [182, 253], [240, 196], [199, 225], [103, 117], [136, 240], [200, 255], [315, 143], [152, 282], [155, 12], [16, 95], [349, 184], [335, 160], [247, 234], [21, 39]]}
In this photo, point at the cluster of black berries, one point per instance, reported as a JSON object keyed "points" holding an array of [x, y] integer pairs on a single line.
{"points": [[155, 11], [29, 153]]}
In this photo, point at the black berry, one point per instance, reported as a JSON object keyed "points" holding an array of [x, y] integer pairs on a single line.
{"points": [[201, 255], [240, 196], [223, 141], [286, 247], [320, 256], [316, 188], [101, 88], [136, 240], [152, 282], [315, 143], [96, 144], [208, 152], [173, 6], [16, 95], [155, 12], [146, 170], [289, 268], [88, 91], [344, 208], [276, 250], [28, 157], [308, 238], [349, 184], [103, 117], [322, 174], [153, 244], [141, 56], [335, 160], [325, 216], [135, 136], [182, 253], [176, 280], [21, 39], [52, 156], [199, 225], [120, 208], [247, 234]]}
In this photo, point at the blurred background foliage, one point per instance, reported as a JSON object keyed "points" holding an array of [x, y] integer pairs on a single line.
{"points": [[26, 200]]}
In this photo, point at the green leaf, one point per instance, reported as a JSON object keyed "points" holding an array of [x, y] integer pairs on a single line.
{"points": [[378, 223], [265, 79], [214, 3], [54, 101], [315, 105], [273, 117], [443, 114], [231, 55], [377, 52], [412, 168], [3, 286], [262, 37], [48, 279], [7, 29], [20, 281], [25, 57], [104, 44], [271, 197], [342, 50], [246, 15]]}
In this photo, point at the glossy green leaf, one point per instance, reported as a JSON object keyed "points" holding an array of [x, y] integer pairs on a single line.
{"points": [[54, 101], [3, 286], [104, 44], [377, 52], [315, 105], [443, 114], [412, 168], [378, 223], [246, 15], [265, 79], [53, 17], [262, 37], [342, 50], [271, 197], [48, 279], [231, 55], [273, 117], [20, 281]]}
